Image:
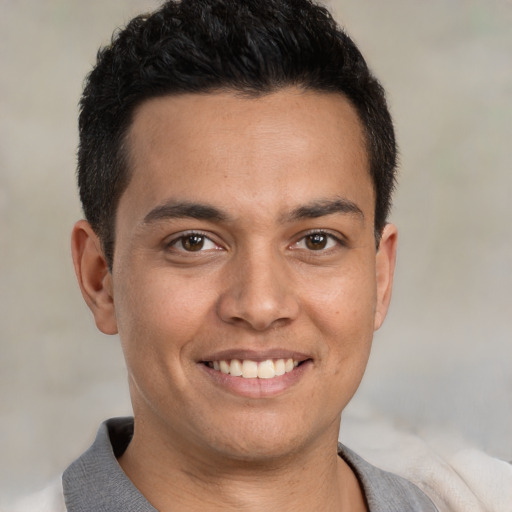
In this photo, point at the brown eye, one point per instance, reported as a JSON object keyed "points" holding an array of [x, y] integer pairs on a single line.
{"points": [[193, 242], [316, 241]]}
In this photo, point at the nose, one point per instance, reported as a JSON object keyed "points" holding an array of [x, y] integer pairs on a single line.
{"points": [[260, 293]]}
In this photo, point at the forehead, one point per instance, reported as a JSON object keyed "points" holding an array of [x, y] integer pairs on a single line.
{"points": [[268, 149]]}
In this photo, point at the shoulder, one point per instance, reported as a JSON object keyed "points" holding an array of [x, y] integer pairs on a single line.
{"points": [[456, 476], [386, 491]]}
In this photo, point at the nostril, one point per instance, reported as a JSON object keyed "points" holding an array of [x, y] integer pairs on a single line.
{"points": [[258, 303]]}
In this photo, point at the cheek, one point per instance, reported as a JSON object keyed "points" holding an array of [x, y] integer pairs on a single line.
{"points": [[343, 316], [159, 315], [343, 309], [342, 304]]}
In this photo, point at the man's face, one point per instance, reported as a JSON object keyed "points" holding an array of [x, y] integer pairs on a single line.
{"points": [[246, 235]]}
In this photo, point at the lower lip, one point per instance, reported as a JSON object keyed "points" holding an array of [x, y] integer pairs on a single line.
{"points": [[257, 388]]}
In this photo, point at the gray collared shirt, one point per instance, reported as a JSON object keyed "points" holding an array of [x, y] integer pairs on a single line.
{"points": [[96, 482]]}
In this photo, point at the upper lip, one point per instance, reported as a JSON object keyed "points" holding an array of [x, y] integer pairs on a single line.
{"points": [[255, 355]]}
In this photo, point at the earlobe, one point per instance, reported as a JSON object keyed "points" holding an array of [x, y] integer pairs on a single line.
{"points": [[93, 276], [385, 268]]}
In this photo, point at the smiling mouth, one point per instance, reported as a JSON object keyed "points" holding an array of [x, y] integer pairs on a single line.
{"points": [[249, 369]]}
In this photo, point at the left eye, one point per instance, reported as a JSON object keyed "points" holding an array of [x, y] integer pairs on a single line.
{"points": [[317, 242], [193, 242]]}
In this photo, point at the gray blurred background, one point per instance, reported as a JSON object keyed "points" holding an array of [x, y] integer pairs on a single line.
{"points": [[444, 356]]}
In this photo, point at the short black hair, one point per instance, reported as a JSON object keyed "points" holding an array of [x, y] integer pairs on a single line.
{"points": [[197, 46]]}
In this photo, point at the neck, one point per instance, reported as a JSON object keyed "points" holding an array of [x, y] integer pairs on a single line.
{"points": [[314, 478]]}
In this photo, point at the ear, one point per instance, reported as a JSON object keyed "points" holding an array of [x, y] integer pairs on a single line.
{"points": [[385, 269], [93, 276]]}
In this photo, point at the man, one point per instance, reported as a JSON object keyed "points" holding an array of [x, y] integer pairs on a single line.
{"points": [[236, 165]]}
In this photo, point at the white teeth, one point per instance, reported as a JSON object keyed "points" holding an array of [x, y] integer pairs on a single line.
{"points": [[224, 367], [249, 369], [266, 369], [235, 368], [279, 367]]}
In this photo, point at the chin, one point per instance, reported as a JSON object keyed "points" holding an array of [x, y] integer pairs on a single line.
{"points": [[267, 441], [269, 449]]}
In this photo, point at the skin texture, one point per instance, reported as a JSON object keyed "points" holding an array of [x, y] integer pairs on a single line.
{"points": [[266, 173]]}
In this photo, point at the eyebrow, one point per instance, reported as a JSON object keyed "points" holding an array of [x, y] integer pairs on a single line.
{"points": [[324, 207], [184, 209]]}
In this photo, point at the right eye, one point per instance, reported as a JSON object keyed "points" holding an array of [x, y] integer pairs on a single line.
{"points": [[193, 242]]}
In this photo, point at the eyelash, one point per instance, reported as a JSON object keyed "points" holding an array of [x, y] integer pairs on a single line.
{"points": [[330, 236], [339, 241], [181, 238]]}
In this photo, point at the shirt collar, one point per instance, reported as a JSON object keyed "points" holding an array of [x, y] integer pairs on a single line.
{"points": [[96, 481]]}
